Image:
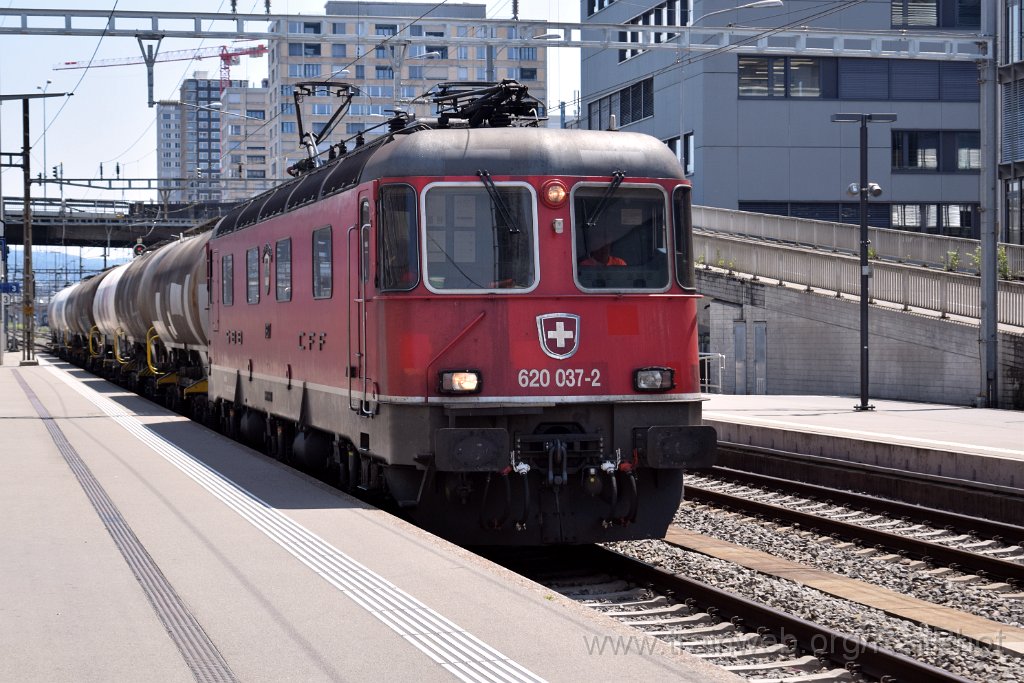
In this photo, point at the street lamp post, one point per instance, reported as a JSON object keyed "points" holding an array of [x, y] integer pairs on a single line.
{"points": [[864, 188]]}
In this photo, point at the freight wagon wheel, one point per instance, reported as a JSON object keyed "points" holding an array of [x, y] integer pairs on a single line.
{"points": [[171, 399]]}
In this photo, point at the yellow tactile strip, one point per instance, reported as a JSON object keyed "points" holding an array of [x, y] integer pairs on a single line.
{"points": [[983, 631]]}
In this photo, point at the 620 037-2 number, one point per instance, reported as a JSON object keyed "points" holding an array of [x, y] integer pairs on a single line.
{"points": [[562, 378]]}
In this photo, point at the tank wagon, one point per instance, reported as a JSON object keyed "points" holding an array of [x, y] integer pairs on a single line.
{"points": [[493, 325]]}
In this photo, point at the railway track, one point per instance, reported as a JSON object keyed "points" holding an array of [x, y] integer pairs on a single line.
{"points": [[972, 545], [957, 496], [742, 635]]}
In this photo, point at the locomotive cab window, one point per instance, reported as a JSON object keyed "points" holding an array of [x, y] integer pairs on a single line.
{"points": [[397, 253], [479, 240], [683, 237], [322, 276], [620, 237]]}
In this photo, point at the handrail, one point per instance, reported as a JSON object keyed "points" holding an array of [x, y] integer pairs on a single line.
{"points": [[151, 336], [117, 351], [908, 286], [92, 351], [956, 254]]}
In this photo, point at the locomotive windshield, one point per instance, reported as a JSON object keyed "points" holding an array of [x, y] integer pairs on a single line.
{"points": [[478, 240], [620, 237]]}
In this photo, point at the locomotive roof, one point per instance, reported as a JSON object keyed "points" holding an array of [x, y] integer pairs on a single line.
{"points": [[462, 152]]}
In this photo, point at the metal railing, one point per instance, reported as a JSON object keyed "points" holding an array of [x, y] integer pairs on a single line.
{"points": [[712, 365], [908, 286], [937, 251]]}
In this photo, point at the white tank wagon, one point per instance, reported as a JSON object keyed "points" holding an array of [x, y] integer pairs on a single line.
{"points": [[56, 313]]}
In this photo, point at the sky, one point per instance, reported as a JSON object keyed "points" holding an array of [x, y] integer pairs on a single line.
{"points": [[107, 120]]}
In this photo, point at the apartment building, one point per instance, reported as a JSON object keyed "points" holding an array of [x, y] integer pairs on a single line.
{"points": [[351, 44], [188, 141], [244, 141]]}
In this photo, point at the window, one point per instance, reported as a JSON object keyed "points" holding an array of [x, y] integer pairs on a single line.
{"points": [[288, 127], [283, 270], [915, 150], [628, 105], [786, 77], [683, 236], [252, 275], [310, 70], [337, 28], [442, 50], [964, 14], [857, 79], [304, 49], [322, 277], [957, 220], [256, 113], [1014, 31], [398, 264], [478, 242], [936, 151], [527, 74], [620, 237], [670, 13], [288, 108], [255, 173], [968, 151], [384, 73], [227, 280], [304, 27], [683, 152], [321, 109], [339, 50], [595, 6]]}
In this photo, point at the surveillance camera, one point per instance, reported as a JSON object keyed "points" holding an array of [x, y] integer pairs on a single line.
{"points": [[874, 189], [853, 189]]}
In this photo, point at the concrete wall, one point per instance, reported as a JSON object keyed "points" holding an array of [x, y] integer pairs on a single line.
{"points": [[813, 346]]}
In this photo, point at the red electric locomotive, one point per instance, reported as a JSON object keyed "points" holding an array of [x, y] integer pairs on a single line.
{"points": [[492, 324]]}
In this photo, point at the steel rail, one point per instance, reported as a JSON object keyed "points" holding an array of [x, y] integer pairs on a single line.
{"points": [[869, 659], [965, 497], [1010, 534], [961, 560]]}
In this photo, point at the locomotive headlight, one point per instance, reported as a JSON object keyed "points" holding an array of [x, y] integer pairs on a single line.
{"points": [[653, 379], [460, 382], [553, 193]]}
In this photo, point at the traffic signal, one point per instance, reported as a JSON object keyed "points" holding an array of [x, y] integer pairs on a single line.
{"points": [[55, 174], [139, 249]]}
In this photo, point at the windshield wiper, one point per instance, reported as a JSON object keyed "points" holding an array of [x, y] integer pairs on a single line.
{"points": [[591, 220], [498, 202]]}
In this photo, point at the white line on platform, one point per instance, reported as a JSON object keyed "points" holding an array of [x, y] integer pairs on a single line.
{"points": [[459, 652]]}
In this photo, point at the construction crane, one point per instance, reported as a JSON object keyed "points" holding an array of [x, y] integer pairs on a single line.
{"points": [[229, 56]]}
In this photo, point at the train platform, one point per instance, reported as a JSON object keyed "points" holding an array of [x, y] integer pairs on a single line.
{"points": [[138, 544], [977, 444]]}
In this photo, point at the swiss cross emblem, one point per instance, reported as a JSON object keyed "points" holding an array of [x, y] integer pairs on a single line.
{"points": [[559, 334]]}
